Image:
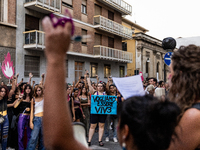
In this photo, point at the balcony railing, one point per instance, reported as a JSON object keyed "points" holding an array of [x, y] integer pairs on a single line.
{"points": [[44, 6], [103, 52], [119, 5], [34, 40], [108, 25]]}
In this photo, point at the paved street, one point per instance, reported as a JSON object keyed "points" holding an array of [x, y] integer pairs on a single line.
{"points": [[107, 145]]}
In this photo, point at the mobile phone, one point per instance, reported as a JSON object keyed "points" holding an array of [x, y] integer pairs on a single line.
{"points": [[87, 73]]}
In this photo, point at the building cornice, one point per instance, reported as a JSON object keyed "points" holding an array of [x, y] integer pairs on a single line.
{"points": [[146, 38]]}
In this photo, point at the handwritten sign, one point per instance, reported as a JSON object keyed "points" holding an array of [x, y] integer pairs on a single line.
{"points": [[103, 104], [130, 86]]}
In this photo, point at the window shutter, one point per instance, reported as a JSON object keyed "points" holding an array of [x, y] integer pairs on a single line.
{"points": [[68, 1]]}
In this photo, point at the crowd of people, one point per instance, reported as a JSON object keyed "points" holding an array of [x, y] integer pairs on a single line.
{"points": [[25, 109], [41, 115], [144, 122], [21, 107]]}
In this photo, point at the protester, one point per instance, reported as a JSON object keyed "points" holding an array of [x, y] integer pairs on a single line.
{"points": [[97, 118], [150, 89], [77, 107], [185, 91], [146, 123], [36, 119], [160, 91], [85, 103], [4, 125], [149, 120], [111, 119], [24, 104], [70, 100]]}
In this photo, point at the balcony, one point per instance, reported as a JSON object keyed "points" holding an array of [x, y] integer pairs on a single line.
{"points": [[34, 40], [108, 53], [44, 6], [119, 5], [110, 26]]}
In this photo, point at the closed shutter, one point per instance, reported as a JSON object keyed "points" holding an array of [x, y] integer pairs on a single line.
{"points": [[84, 2], [97, 10], [110, 15], [110, 42], [68, 2], [97, 39]]}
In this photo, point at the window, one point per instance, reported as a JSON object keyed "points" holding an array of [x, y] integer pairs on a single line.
{"points": [[84, 7], [84, 32], [93, 70], [67, 3], [78, 70], [158, 65], [3, 10], [110, 42], [31, 23], [32, 64], [121, 71], [124, 46], [110, 15], [147, 67], [107, 71], [98, 38], [97, 9]]}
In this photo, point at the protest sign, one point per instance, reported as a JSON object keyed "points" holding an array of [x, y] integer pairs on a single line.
{"points": [[130, 86], [103, 104]]}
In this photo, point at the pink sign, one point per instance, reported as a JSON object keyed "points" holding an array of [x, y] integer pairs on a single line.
{"points": [[141, 74], [7, 67]]}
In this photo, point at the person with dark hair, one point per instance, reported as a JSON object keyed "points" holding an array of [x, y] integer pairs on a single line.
{"points": [[36, 115], [5, 94], [97, 118], [111, 119], [70, 100], [24, 104], [77, 107], [150, 123], [184, 89], [145, 123], [4, 126], [85, 103]]}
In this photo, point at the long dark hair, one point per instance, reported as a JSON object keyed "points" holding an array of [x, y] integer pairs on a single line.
{"points": [[150, 121], [185, 88], [7, 91], [30, 94], [86, 93]]}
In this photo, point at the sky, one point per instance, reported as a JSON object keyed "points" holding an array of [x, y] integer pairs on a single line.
{"points": [[167, 18]]}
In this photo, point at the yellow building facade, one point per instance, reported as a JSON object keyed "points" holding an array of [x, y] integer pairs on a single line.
{"points": [[131, 43], [148, 54]]}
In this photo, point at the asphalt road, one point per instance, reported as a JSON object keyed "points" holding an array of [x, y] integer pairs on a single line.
{"points": [[107, 145]]}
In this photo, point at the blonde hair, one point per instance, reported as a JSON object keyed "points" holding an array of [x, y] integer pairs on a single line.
{"points": [[150, 88]]}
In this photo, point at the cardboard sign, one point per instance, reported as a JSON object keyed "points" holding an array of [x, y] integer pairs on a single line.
{"points": [[103, 104]]}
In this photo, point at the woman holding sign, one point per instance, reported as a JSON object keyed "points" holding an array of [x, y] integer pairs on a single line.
{"points": [[97, 118]]}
